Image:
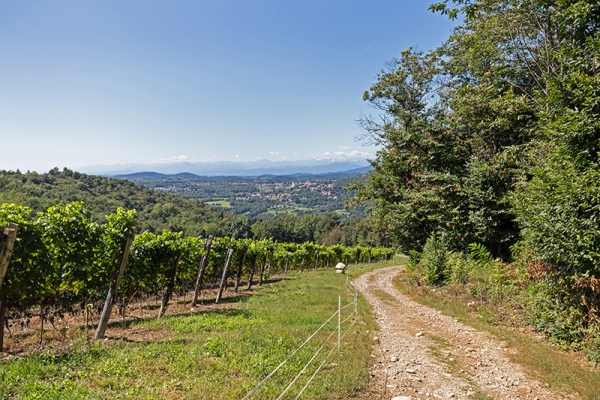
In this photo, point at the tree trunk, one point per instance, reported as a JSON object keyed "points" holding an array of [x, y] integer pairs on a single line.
{"points": [[169, 289], [114, 287], [238, 274], [224, 277], [201, 268]]}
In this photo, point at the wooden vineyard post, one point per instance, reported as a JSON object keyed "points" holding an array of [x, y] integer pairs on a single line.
{"points": [[317, 261], [224, 278], [269, 267], [201, 268], [252, 268], [114, 287], [2, 313], [262, 271], [238, 274], [339, 315], [287, 261], [7, 241], [169, 289]]}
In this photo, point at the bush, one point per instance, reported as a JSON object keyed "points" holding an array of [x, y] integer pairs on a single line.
{"points": [[433, 259]]}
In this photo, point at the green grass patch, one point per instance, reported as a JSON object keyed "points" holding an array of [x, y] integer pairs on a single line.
{"points": [[220, 203], [215, 355]]}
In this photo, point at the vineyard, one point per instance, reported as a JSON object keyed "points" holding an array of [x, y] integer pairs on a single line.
{"points": [[63, 263]]}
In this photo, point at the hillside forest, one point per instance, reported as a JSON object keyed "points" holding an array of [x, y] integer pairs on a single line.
{"points": [[488, 172], [158, 210]]}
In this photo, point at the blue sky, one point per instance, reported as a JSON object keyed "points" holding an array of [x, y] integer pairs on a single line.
{"points": [[107, 82]]}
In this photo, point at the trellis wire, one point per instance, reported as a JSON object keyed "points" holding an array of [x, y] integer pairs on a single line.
{"points": [[352, 291], [305, 366], [286, 360], [323, 362]]}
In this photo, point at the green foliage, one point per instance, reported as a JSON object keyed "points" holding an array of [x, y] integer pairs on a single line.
{"points": [[433, 259], [155, 210], [494, 138], [62, 256], [61, 252]]}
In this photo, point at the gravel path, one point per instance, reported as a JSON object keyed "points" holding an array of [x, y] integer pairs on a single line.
{"points": [[420, 353]]}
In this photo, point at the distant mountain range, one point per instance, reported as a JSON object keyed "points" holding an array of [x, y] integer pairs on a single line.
{"points": [[252, 168], [188, 175]]}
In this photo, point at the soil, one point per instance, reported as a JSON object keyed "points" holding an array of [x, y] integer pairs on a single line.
{"points": [[419, 353]]}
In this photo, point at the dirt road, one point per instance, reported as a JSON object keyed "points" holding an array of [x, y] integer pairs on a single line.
{"points": [[420, 353]]}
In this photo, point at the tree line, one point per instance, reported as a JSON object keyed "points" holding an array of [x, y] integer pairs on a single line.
{"points": [[493, 138]]}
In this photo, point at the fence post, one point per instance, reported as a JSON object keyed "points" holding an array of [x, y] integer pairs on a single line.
{"points": [[203, 261], [339, 321], [224, 278], [114, 287], [6, 246], [7, 241]]}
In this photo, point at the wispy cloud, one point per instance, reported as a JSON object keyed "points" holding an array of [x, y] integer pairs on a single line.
{"points": [[344, 153], [174, 159]]}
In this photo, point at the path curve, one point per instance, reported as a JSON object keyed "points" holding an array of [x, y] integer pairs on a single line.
{"points": [[422, 354]]}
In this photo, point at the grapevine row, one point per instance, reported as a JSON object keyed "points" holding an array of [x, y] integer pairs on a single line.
{"points": [[62, 260]]}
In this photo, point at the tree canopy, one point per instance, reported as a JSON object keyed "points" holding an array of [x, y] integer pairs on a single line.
{"points": [[494, 136]]}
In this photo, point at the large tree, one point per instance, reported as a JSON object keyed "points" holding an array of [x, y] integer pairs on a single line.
{"points": [[495, 136], [454, 125]]}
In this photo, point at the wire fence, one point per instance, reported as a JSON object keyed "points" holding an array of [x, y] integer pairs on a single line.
{"points": [[341, 333]]}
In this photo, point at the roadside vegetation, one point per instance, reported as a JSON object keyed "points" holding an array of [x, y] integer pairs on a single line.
{"points": [[489, 169], [503, 300]]}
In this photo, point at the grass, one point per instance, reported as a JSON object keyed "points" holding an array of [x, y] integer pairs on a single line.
{"points": [[216, 355], [291, 211], [558, 369], [220, 203]]}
